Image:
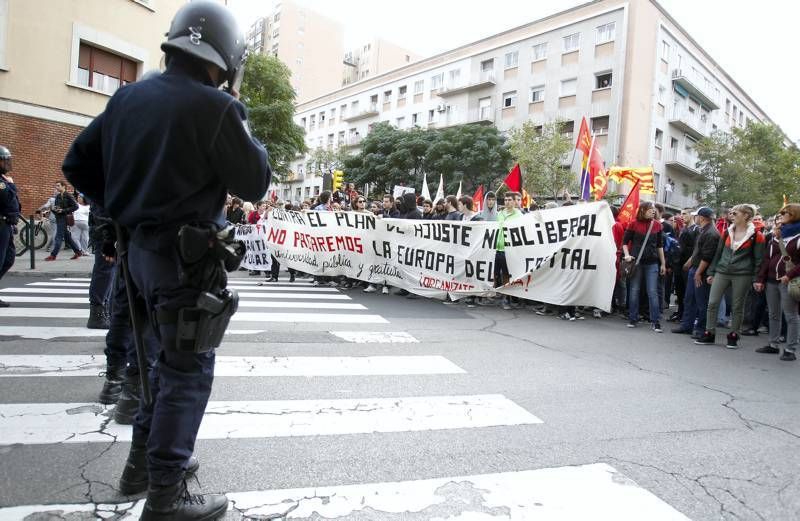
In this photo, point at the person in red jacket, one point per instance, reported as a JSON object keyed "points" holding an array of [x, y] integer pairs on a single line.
{"points": [[774, 277]]}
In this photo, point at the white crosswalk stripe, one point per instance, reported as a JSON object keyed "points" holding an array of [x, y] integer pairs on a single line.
{"points": [[66, 423]]}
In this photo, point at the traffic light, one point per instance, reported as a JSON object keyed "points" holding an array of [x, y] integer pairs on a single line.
{"points": [[338, 177]]}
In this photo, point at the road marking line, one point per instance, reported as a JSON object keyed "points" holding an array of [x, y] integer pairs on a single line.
{"points": [[242, 294], [548, 493], [376, 337], [308, 288], [47, 423], [240, 316], [48, 333], [12, 366]]}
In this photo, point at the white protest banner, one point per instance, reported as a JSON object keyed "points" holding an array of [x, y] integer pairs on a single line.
{"points": [[400, 190], [563, 256], [257, 256]]}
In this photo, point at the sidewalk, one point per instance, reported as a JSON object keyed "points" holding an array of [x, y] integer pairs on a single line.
{"points": [[61, 267]]}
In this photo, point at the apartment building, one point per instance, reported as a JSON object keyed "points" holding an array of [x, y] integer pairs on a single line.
{"points": [[310, 44], [59, 64], [647, 88], [375, 57]]}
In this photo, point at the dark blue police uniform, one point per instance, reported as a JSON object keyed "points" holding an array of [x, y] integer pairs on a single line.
{"points": [[9, 216], [164, 153]]}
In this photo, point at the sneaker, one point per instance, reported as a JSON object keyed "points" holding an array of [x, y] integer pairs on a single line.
{"points": [[333, 284], [697, 335], [385, 290], [49, 258], [657, 327], [76, 256], [763, 330], [506, 304], [781, 339], [680, 331], [768, 350], [4, 304], [315, 282], [707, 339], [578, 316], [733, 341], [545, 311], [750, 332], [788, 356], [597, 313], [566, 316], [675, 317], [370, 289], [631, 323]]}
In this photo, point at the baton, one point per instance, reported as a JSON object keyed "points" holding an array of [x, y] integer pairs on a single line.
{"points": [[141, 357]]}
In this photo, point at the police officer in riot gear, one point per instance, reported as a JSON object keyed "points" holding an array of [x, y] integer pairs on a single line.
{"points": [[9, 215], [160, 159]]}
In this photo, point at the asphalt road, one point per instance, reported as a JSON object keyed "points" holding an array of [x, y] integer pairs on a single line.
{"points": [[572, 420]]}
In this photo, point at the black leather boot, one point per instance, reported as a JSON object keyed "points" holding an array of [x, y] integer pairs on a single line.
{"points": [[128, 402], [175, 503], [98, 319], [112, 387], [135, 479]]}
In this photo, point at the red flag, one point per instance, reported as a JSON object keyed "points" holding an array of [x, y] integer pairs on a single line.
{"points": [[597, 173], [274, 196], [628, 211], [526, 199], [584, 142], [514, 179], [477, 199]]}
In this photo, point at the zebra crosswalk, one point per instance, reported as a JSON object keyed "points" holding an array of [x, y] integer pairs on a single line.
{"points": [[336, 394]]}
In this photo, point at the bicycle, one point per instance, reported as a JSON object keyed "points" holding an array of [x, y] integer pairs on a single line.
{"points": [[21, 237]]}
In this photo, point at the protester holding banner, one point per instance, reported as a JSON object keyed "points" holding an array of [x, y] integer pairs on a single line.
{"points": [[736, 262], [644, 242], [489, 212], [508, 213], [451, 205]]}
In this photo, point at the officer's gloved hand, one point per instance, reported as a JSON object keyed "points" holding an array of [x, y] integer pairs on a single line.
{"points": [[109, 250]]}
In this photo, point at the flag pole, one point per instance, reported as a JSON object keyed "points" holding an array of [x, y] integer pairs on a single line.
{"points": [[585, 175]]}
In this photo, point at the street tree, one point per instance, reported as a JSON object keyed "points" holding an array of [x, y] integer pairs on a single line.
{"points": [[748, 165], [471, 154], [269, 97], [326, 160], [540, 152]]}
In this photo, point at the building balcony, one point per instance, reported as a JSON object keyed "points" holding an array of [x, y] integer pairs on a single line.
{"points": [[370, 112], [693, 123], [696, 86], [451, 89], [352, 142], [682, 161]]}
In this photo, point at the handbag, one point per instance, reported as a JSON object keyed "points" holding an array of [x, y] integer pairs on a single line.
{"points": [[628, 268], [70, 220], [794, 284]]}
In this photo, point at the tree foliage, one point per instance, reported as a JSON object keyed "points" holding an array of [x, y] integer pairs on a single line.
{"points": [[325, 160], [748, 165], [540, 153], [389, 156], [269, 97]]}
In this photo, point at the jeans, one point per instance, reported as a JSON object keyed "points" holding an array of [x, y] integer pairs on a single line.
{"points": [[695, 304], [648, 272], [63, 235], [779, 301], [739, 285]]}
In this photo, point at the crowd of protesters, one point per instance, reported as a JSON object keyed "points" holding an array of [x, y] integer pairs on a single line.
{"points": [[729, 271]]}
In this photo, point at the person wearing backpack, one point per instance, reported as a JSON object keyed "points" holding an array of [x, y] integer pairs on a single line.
{"points": [[736, 262]]}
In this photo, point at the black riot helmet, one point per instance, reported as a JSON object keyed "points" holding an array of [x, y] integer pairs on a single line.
{"points": [[208, 31], [5, 157], [4, 153]]}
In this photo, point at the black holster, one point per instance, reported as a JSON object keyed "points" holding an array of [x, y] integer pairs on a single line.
{"points": [[201, 328]]}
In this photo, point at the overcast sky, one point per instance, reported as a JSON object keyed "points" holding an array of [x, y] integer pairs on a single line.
{"points": [[754, 41]]}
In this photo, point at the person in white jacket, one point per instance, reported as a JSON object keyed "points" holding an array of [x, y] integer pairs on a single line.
{"points": [[80, 230]]}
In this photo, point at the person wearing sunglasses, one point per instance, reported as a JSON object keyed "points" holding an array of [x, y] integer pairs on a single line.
{"points": [[735, 264]]}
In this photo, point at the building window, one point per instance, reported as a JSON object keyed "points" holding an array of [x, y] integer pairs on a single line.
{"points": [[741, 119], [400, 122], [431, 115], [512, 59], [572, 42], [333, 114], [373, 101], [312, 122], [600, 126], [436, 81], [606, 33], [537, 93], [727, 106], [510, 99], [354, 107], [414, 119], [387, 96], [659, 141], [321, 118], [330, 140], [568, 129], [419, 86], [540, 51], [401, 92], [455, 77], [102, 70], [487, 65], [303, 122], [569, 87], [602, 80], [342, 111], [340, 137]]}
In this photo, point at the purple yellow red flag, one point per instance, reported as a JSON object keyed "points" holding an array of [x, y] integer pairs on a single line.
{"points": [[644, 175], [584, 142]]}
